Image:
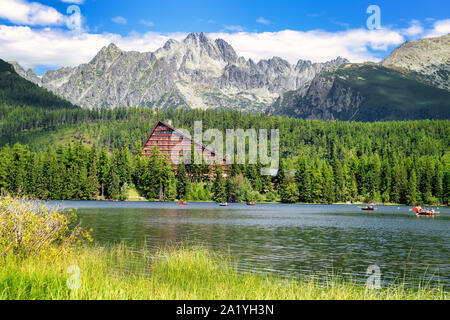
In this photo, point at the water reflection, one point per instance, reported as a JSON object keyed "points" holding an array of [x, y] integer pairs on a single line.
{"points": [[289, 240]]}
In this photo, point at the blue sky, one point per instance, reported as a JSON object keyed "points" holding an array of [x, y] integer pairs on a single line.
{"points": [[212, 16], [35, 33]]}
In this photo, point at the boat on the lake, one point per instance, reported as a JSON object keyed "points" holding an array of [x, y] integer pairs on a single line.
{"points": [[368, 208], [251, 204], [224, 204], [183, 203], [112, 200], [424, 212], [431, 214]]}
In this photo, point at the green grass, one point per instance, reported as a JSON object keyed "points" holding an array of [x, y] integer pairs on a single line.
{"points": [[183, 273], [134, 195]]}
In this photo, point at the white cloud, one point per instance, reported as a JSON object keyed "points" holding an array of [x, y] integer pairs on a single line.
{"points": [[73, 1], [234, 28], [263, 21], [29, 13], [119, 20], [318, 46], [414, 29], [147, 23], [440, 28], [57, 46], [47, 46]]}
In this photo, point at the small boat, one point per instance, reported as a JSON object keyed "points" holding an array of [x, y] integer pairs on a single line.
{"points": [[224, 204], [251, 204], [421, 212], [112, 200], [126, 200], [368, 209], [182, 203], [427, 213]]}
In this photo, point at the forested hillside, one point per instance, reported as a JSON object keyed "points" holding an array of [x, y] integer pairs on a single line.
{"points": [[128, 127], [82, 154], [15, 90], [54, 150], [366, 93]]}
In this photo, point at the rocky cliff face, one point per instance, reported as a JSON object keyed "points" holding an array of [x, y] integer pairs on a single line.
{"points": [[412, 83], [29, 74], [429, 59], [364, 92], [325, 98], [195, 73]]}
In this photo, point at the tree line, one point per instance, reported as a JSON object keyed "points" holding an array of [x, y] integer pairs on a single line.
{"points": [[81, 172], [126, 127]]}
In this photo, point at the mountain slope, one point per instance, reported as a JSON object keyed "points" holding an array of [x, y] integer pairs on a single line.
{"points": [[366, 92], [195, 73], [429, 59], [16, 91], [412, 83]]}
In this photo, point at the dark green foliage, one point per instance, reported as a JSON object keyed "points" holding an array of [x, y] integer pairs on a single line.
{"points": [[219, 187], [392, 95], [383, 94], [182, 182], [15, 90], [325, 161]]}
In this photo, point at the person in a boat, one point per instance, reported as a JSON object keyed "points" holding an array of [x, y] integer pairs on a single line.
{"points": [[432, 211]]}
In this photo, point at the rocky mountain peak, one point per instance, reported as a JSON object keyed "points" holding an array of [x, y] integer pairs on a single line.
{"points": [[197, 37], [109, 52], [338, 61], [169, 44], [429, 58], [29, 74], [227, 50], [197, 72]]}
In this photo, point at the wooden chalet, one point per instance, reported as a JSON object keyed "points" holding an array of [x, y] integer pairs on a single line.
{"points": [[172, 143]]}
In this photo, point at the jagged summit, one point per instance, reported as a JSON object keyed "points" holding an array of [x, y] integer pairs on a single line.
{"points": [[194, 36], [198, 72], [430, 58], [109, 51], [169, 43]]}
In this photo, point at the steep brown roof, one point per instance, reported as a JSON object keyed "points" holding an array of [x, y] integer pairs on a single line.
{"points": [[181, 133]]}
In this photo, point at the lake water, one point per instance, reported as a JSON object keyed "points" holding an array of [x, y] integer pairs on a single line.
{"points": [[286, 240]]}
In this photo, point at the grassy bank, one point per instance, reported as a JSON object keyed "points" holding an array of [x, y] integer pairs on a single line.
{"points": [[187, 273]]}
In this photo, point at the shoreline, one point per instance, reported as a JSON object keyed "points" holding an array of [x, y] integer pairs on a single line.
{"points": [[182, 273], [388, 204]]}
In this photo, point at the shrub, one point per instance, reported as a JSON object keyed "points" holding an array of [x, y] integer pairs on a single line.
{"points": [[29, 228]]}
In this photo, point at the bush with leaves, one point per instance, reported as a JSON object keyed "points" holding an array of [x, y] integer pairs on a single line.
{"points": [[28, 228]]}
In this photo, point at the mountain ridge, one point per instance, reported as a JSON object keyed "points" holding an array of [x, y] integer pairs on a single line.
{"points": [[199, 72], [17, 91], [195, 73]]}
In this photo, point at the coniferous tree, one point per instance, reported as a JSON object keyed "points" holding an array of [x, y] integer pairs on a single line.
{"points": [[93, 186], [113, 189], [411, 190], [182, 182], [219, 187], [328, 184], [339, 182], [303, 179], [103, 170]]}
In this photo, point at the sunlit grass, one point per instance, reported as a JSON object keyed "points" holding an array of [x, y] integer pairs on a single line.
{"points": [[178, 273]]}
